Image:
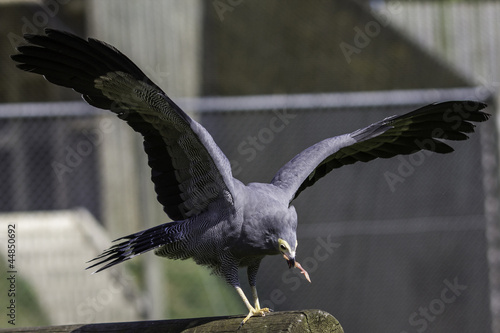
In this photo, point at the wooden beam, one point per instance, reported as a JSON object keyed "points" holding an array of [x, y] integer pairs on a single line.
{"points": [[313, 321]]}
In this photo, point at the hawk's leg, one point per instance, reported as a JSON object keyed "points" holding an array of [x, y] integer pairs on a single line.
{"points": [[252, 280], [253, 310]]}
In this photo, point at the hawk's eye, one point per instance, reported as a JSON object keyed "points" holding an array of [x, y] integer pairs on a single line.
{"points": [[283, 247]]}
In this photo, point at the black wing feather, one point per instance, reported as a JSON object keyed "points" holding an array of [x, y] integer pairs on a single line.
{"points": [[423, 128], [88, 66]]}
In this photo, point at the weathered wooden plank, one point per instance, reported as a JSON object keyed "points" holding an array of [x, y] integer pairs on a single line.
{"points": [[311, 321]]}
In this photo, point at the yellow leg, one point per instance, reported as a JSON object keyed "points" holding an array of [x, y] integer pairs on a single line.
{"points": [[252, 311], [256, 300], [244, 298]]}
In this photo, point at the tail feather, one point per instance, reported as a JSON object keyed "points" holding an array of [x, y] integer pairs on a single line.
{"points": [[138, 243]]}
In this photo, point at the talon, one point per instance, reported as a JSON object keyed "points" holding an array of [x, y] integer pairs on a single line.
{"points": [[260, 312]]}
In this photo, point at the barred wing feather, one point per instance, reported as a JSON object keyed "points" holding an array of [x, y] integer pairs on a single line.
{"points": [[424, 128], [188, 169]]}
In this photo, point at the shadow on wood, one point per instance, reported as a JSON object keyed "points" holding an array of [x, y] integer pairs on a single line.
{"points": [[313, 321]]}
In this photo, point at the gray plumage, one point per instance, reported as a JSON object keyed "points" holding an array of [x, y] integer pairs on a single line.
{"points": [[220, 222]]}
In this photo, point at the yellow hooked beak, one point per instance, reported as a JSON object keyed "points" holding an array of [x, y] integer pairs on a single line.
{"points": [[290, 257], [289, 260]]}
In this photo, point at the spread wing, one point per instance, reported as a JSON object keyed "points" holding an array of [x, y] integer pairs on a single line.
{"points": [[421, 129], [188, 169]]}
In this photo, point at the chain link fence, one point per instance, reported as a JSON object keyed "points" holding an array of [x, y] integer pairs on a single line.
{"points": [[400, 241]]}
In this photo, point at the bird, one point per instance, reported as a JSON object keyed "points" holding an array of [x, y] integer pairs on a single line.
{"points": [[218, 221]]}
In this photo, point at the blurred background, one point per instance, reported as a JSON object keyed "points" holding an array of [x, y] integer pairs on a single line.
{"points": [[408, 244]]}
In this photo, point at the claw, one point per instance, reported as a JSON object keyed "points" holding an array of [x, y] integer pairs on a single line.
{"points": [[260, 312]]}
